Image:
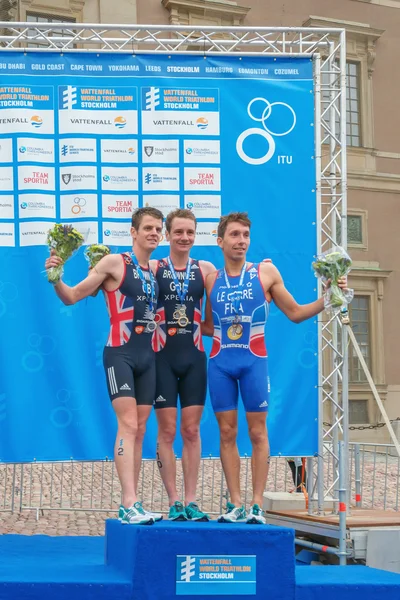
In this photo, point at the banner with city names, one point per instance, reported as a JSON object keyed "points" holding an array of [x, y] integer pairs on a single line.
{"points": [[86, 139]]}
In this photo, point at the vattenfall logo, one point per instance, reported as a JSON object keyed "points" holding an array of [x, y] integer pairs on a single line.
{"points": [[36, 121], [119, 122]]}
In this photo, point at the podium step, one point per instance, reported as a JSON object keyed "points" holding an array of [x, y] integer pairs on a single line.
{"points": [[169, 559], [352, 582], [41, 567]]}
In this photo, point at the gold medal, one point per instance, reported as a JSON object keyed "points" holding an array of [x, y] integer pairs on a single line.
{"points": [[180, 316], [235, 331]]}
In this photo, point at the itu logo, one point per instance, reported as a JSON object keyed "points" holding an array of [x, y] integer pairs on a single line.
{"points": [[202, 123], [68, 97], [64, 150], [188, 568], [36, 121], [152, 98], [263, 130], [147, 178]]}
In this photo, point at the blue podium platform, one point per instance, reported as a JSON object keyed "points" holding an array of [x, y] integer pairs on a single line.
{"points": [[155, 555], [166, 560]]}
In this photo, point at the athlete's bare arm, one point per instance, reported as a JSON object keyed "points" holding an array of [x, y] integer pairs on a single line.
{"points": [[107, 273], [207, 326], [274, 288]]}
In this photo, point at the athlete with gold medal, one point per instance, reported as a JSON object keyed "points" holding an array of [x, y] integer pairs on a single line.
{"points": [[181, 363]]}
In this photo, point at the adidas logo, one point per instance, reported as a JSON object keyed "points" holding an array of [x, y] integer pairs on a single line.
{"points": [[125, 387], [160, 399], [263, 404], [193, 267]]}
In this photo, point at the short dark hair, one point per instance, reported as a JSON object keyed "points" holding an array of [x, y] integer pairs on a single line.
{"points": [[179, 213], [139, 213], [233, 217]]}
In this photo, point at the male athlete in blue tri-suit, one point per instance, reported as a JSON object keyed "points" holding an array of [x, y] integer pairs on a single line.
{"points": [[238, 298]]}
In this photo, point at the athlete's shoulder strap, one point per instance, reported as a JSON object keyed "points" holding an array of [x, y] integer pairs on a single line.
{"points": [[126, 257]]}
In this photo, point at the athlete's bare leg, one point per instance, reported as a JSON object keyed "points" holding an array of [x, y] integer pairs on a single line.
{"points": [[126, 411], [228, 428], [190, 431], [166, 418], [143, 413], [260, 454]]}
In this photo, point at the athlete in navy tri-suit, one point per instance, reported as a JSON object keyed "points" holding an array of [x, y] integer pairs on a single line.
{"points": [[238, 298], [181, 363]]}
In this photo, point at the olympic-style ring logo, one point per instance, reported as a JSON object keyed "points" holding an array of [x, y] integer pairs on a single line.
{"points": [[79, 203], [266, 133]]}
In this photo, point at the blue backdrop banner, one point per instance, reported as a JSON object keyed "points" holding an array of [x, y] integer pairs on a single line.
{"points": [[86, 139]]}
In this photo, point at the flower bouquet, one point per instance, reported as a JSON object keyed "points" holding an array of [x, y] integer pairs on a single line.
{"points": [[64, 240], [93, 254], [331, 266]]}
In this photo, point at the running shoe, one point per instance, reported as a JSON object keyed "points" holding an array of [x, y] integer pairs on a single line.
{"points": [[255, 516], [193, 513], [233, 514], [177, 512], [154, 515], [134, 515]]}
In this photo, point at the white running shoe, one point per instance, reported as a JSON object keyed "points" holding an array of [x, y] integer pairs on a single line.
{"points": [[255, 516], [233, 514], [134, 515]]}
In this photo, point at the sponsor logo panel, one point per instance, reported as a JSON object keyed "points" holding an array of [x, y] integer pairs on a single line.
{"points": [[7, 234], [118, 207], [159, 99], [156, 151], [7, 207], [204, 206], [206, 234], [165, 203], [89, 230], [202, 151], [36, 178], [100, 122], [119, 151], [180, 123], [6, 179], [35, 150], [117, 234], [78, 206], [34, 233], [78, 178], [162, 178], [204, 179], [119, 178], [27, 121], [6, 149], [37, 205], [77, 150]]}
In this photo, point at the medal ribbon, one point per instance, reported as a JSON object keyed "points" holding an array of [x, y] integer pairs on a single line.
{"points": [[149, 287], [238, 292], [181, 286]]}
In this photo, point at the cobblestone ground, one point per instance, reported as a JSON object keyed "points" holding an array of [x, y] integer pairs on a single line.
{"points": [[76, 498]]}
